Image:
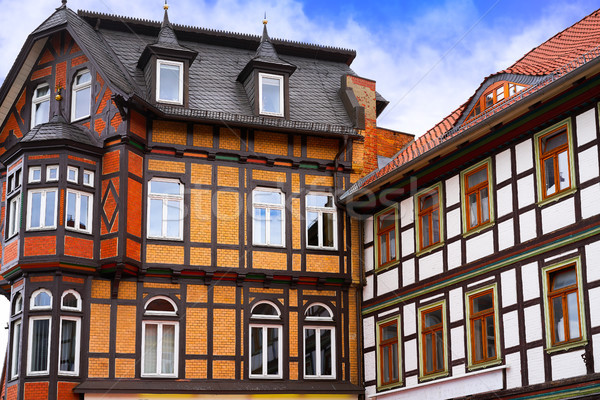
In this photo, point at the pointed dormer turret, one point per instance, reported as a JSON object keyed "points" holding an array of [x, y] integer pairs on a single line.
{"points": [[166, 65], [266, 79]]}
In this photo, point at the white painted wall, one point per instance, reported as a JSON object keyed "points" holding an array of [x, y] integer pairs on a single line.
{"points": [[588, 164], [503, 167], [514, 376], [533, 323], [596, 345], [407, 240], [407, 214], [594, 305], [506, 234], [567, 365], [431, 264], [410, 355], [590, 205], [368, 230], [527, 226], [530, 277], [368, 332], [592, 254], [511, 329], [526, 191], [452, 190], [457, 336], [586, 127], [508, 287], [368, 289], [504, 199], [480, 245], [454, 251], [370, 366], [387, 281], [455, 304], [410, 319], [524, 156], [535, 365], [369, 258], [453, 223], [558, 215], [408, 272]]}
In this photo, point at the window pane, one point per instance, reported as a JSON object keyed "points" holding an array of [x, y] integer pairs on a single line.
{"points": [[490, 336], [392, 235], [68, 344], [52, 173], [71, 174], [310, 352], [162, 187], [82, 102], [552, 142], [155, 218], [169, 82], [500, 93], [42, 91], [549, 176], [50, 207], [435, 228], [429, 200], [71, 207], [168, 350], [395, 361], [439, 355], [260, 226], [489, 100], [563, 278], [275, 226], [39, 343], [83, 212], [42, 112], [573, 311], [559, 323], [473, 210], [270, 95], [267, 197], [485, 209], [256, 357], [160, 305], [315, 200], [35, 209], [326, 351], [150, 345], [428, 352], [16, 345], [328, 228], [477, 337], [477, 177], [433, 318], [69, 300], [563, 170], [173, 218], [272, 351], [42, 299], [264, 309], [318, 311], [36, 174], [389, 332], [386, 364], [383, 247], [312, 222], [484, 302], [387, 220], [83, 78], [425, 233]]}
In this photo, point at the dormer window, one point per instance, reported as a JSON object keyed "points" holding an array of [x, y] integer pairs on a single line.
{"points": [[495, 94], [271, 94], [82, 95], [169, 82], [40, 105]]}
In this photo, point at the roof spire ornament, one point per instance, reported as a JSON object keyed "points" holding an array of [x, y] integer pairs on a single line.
{"points": [[166, 6], [265, 35]]}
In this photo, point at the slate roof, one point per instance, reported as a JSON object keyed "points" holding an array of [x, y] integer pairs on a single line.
{"points": [[559, 55], [59, 129]]}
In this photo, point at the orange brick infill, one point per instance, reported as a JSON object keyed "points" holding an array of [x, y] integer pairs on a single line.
{"points": [[109, 247], [134, 213], [46, 57], [11, 251], [84, 160], [137, 124], [35, 391], [65, 391], [15, 165], [41, 279], [79, 247], [169, 132], [40, 73], [12, 392], [271, 143], [79, 60], [61, 74], [43, 157], [363, 82], [133, 249], [110, 164], [135, 164], [39, 246], [72, 279], [99, 125], [203, 136]]}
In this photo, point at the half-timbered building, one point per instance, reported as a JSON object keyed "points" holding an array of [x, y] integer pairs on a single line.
{"points": [[481, 240], [170, 220]]}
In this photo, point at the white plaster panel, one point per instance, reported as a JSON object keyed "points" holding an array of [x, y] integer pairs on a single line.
{"points": [[370, 390], [370, 366], [457, 336], [431, 264], [533, 323], [453, 223], [368, 230], [387, 281], [594, 306], [511, 329], [525, 191], [504, 199], [455, 307], [513, 373], [408, 272], [558, 215], [454, 254], [407, 213], [369, 258], [588, 164], [524, 156], [412, 381], [409, 316], [592, 255], [567, 365], [535, 365], [481, 281], [369, 332], [596, 345], [530, 276], [458, 370], [452, 190], [410, 355], [408, 242], [590, 205], [480, 245], [394, 310], [509, 287], [506, 234], [586, 126], [527, 225], [368, 289], [503, 167]]}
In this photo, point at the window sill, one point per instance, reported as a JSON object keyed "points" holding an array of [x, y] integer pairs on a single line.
{"points": [[484, 365], [159, 377], [268, 114], [431, 377], [50, 228], [478, 229], [321, 248], [389, 386], [319, 378], [429, 249], [264, 377], [80, 118], [269, 246], [566, 346], [387, 266], [69, 229], [170, 102], [165, 238], [557, 197]]}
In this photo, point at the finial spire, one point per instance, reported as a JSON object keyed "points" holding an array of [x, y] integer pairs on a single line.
{"points": [[64, 3], [166, 6], [265, 21], [265, 35]]}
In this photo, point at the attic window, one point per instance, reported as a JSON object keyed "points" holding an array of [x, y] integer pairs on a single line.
{"points": [[169, 82], [271, 94], [40, 105], [82, 95], [495, 94]]}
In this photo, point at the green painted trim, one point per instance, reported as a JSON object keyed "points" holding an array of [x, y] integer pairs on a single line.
{"points": [[484, 269], [378, 355], [227, 158], [136, 145], [463, 197], [434, 246], [391, 263], [309, 166], [561, 394], [471, 366], [569, 345], [422, 376]]}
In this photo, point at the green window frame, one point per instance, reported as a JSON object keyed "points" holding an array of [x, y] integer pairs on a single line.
{"points": [[433, 341], [482, 313], [477, 197], [563, 297], [428, 206], [388, 347], [385, 236]]}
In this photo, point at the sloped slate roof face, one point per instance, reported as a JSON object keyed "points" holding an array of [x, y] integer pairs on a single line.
{"points": [[213, 86], [59, 129]]}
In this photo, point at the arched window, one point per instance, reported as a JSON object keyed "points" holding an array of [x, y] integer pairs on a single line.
{"points": [[15, 337], [160, 305], [70, 300], [40, 327], [160, 338], [81, 95], [265, 341], [17, 303], [41, 299], [319, 342]]}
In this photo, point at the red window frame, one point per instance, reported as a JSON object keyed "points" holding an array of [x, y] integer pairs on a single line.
{"points": [[432, 330], [482, 316], [563, 293], [389, 235], [428, 212], [545, 155], [477, 189], [387, 347]]}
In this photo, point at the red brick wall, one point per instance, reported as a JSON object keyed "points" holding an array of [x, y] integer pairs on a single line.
{"points": [[78, 247], [39, 246], [65, 391], [36, 391]]}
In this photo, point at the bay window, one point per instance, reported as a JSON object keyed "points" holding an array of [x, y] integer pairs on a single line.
{"points": [[41, 209], [79, 211]]}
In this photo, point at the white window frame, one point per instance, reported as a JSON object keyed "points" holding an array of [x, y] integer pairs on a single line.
{"points": [[42, 209], [166, 198], [14, 216], [77, 345], [32, 305], [266, 316], [31, 179], [48, 169], [67, 308], [76, 171], [15, 176], [30, 345], [181, 72], [313, 318], [91, 178], [76, 88], [78, 195], [17, 299], [160, 324], [262, 75], [160, 313], [15, 347], [320, 211], [37, 100], [267, 207], [264, 328], [318, 329]]}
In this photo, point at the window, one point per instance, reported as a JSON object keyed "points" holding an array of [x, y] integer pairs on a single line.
{"points": [[17, 304], [88, 178], [52, 173], [39, 346], [483, 330], [169, 82], [15, 349], [477, 197], [318, 312], [554, 160], [495, 94], [13, 181], [14, 215], [73, 174], [35, 174], [41, 299], [319, 343], [321, 228], [160, 305], [82, 95], [79, 212], [432, 337], [268, 220], [565, 324], [385, 231], [70, 329], [40, 105], [165, 209], [388, 352], [160, 344], [70, 301], [265, 342], [41, 211], [429, 226], [271, 94]]}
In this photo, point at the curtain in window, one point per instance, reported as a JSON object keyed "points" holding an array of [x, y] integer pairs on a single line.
{"points": [[39, 344], [68, 345], [168, 349], [150, 344]]}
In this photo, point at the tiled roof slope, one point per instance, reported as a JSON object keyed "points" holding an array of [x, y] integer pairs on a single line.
{"points": [[553, 58]]}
